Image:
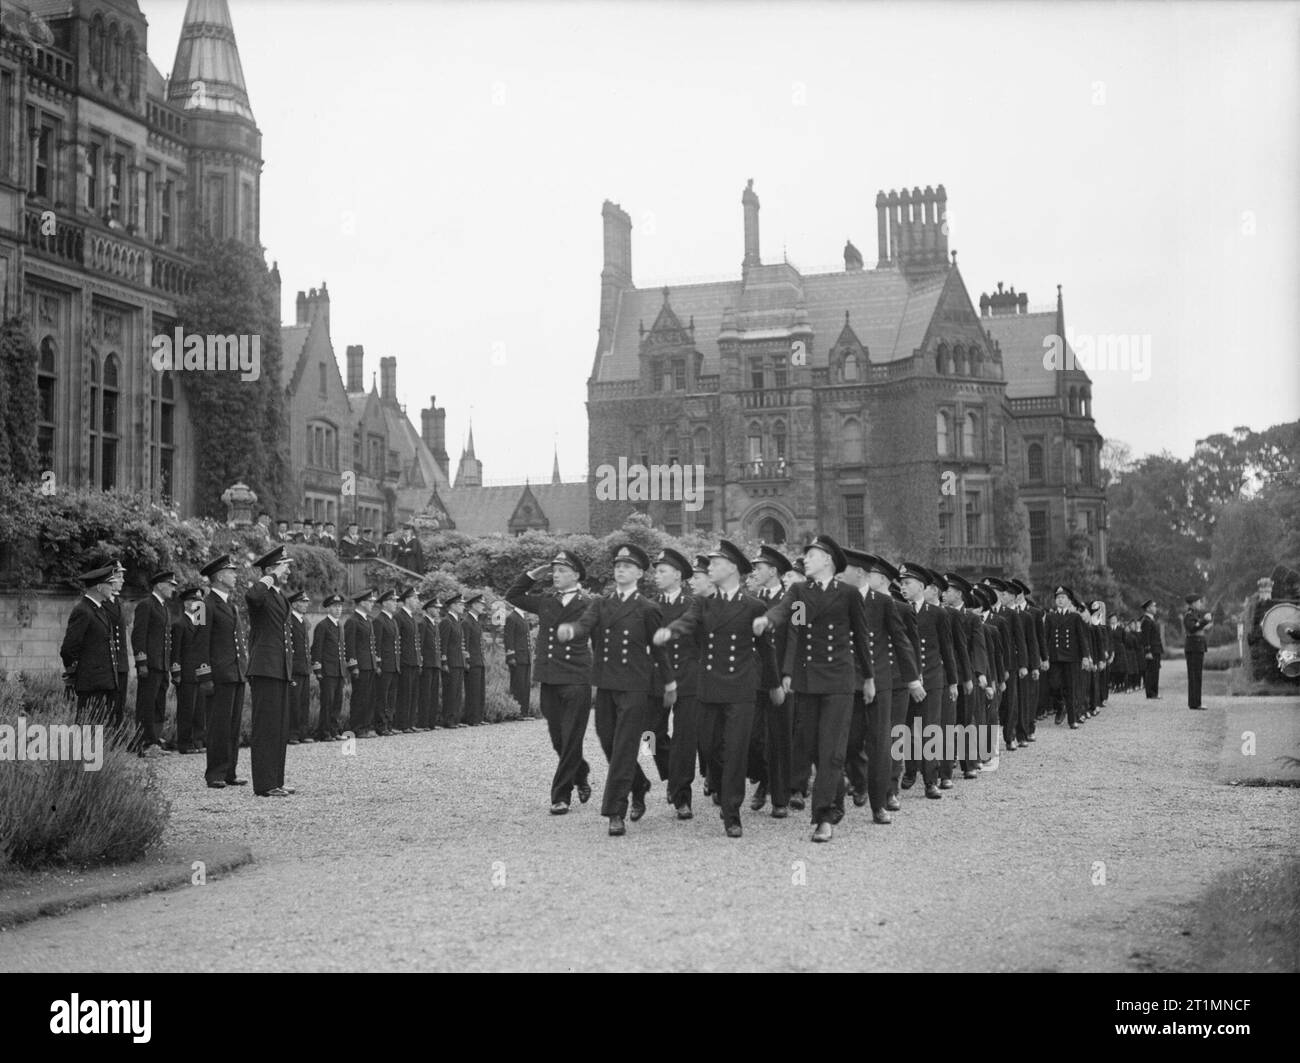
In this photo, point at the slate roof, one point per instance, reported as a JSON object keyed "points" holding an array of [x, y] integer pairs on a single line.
{"points": [[207, 53], [487, 510], [890, 313], [1021, 339]]}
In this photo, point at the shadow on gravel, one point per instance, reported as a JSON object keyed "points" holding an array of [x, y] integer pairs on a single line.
{"points": [[1249, 921]]}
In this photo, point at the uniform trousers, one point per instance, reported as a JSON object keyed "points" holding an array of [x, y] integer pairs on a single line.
{"points": [[991, 711], [756, 756], [118, 699], [429, 688], [1029, 713], [800, 754], [331, 707], [1009, 713], [385, 697], [778, 721], [300, 708], [225, 715], [520, 684], [1151, 677], [826, 719], [408, 695], [920, 716], [1195, 661], [150, 708], [953, 709], [867, 761], [900, 699], [96, 706], [361, 707], [474, 694], [270, 739], [189, 716], [453, 696], [566, 707], [1064, 679], [621, 718], [682, 751], [724, 729], [970, 718]]}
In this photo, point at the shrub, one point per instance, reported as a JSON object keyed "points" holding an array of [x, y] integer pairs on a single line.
{"points": [[55, 812], [1221, 635]]}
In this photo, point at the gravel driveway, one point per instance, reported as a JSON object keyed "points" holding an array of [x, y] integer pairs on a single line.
{"points": [[436, 852]]}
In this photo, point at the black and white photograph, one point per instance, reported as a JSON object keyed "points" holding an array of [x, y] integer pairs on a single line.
{"points": [[650, 487]]}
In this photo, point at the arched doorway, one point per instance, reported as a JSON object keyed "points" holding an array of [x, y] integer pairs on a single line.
{"points": [[771, 530]]}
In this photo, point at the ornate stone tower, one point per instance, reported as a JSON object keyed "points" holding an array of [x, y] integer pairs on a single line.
{"points": [[225, 158]]}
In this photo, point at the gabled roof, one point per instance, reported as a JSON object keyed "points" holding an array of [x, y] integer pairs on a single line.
{"points": [[293, 345], [1021, 339], [420, 470], [891, 312], [488, 510]]}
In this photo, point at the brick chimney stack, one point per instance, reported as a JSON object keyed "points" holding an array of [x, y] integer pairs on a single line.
{"points": [[616, 276], [749, 200], [911, 228], [356, 363], [433, 430], [388, 379]]}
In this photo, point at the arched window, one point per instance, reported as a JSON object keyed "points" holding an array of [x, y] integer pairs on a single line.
{"points": [[671, 447], [1034, 457], [941, 359], [167, 436], [46, 379], [970, 435], [97, 43], [127, 71], [114, 57], [779, 444], [959, 360], [1087, 402], [976, 360], [771, 530], [640, 447], [702, 449], [850, 371], [943, 431], [851, 442], [754, 448], [108, 427], [1074, 401]]}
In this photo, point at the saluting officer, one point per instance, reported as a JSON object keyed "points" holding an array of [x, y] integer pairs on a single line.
{"points": [[733, 661], [431, 669], [622, 626], [829, 638], [362, 650], [228, 664], [563, 670], [329, 663], [1195, 620], [771, 741], [938, 669], [191, 671], [452, 637], [270, 673], [388, 664], [151, 639], [893, 662], [1153, 649], [90, 648], [300, 692]]}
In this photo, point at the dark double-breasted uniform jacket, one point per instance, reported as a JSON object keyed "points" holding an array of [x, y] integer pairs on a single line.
{"points": [[452, 633], [683, 654], [270, 633], [1152, 642], [623, 652], [558, 663], [227, 640], [935, 660], [972, 627], [151, 634], [92, 648], [998, 630], [518, 650], [190, 649], [359, 642], [1038, 627], [893, 658], [301, 647], [733, 661], [1067, 637], [388, 636], [777, 637], [960, 648], [412, 642], [994, 647], [827, 646], [328, 652], [430, 643], [473, 638], [1193, 624], [1017, 644]]}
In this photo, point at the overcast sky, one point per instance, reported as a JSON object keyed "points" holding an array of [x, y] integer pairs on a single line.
{"points": [[442, 167]]}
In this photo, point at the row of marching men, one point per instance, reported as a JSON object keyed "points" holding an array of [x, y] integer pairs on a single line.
{"points": [[814, 679], [410, 664]]}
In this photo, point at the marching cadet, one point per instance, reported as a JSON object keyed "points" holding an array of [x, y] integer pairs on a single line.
{"points": [[973, 695], [995, 641], [1017, 660], [702, 587], [91, 647], [300, 692], [938, 668], [772, 738], [475, 672], [228, 666], [676, 759], [1068, 647], [733, 661], [452, 637], [901, 699], [190, 671], [622, 626], [270, 673], [362, 652], [1153, 649], [519, 658], [563, 670], [411, 662], [1095, 618], [1037, 653], [868, 761], [1027, 693], [388, 664], [151, 640], [329, 663], [952, 707], [1195, 620], [1113, 648], [431, 670], [820, 655]]}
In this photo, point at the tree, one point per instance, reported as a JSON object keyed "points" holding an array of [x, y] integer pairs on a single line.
{"points": [[1078, 569], [1244, 547], [239, 424], [1116, 459]]}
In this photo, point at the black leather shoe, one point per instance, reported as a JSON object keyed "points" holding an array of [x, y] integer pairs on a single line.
{"points": [[1060, 718], [823, 832], [760, 798], [559, 808], [945, 784], [616, 827], [216, 786], [837, 814], [882, 817], [684, 811], [274, 792], [733, 830], [1030, 738], [780, 811], [859, 799], [236, 782], [797, 802], [970, 775], [638, 809], [908, 782], [1074, 727], [892, 803], [932, 792], [584, 792], [717, 799]]}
